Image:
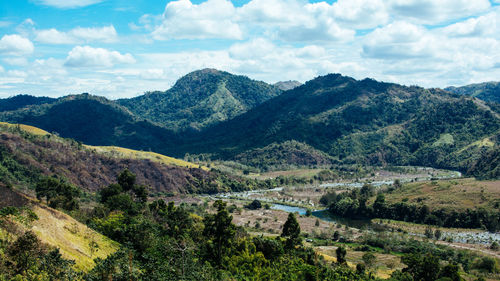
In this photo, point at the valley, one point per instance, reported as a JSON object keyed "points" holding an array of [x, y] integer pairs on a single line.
{"points": [[357, 179]]}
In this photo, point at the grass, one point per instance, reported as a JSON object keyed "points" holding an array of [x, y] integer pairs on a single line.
{"points": [[444, 139], [27, 128], [458, 194], [115, 150], [486, 142], [136, 154], [71, 237]]}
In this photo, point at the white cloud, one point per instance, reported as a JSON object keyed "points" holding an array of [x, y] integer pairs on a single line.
{"points": [[77, 35], [360, 14], [17, 61], [68, 4], [53, 36], [104, 34], [292, 20], [487, 25], [15, 45], [436, 11], [399, 40], [87, 56], [210, 19]]}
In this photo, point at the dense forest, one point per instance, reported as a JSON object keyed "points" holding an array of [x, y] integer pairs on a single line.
{"points": [[161, 241], [355, 204], [330, 119]]}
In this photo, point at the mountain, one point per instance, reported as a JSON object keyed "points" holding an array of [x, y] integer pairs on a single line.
{"points": [[25, 157], [200, 99], [287, 85], [487, 91], [92, 120], [331, 119], [365, 122], [20, 101]]}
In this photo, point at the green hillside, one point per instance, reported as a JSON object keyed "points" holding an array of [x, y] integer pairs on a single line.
{"points": [[200, 99], [26, 156], [92, 120], [487, 91], [365, 122]]}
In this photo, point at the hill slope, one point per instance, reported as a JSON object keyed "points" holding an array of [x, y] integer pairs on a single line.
{"points": [[20, 101], [92, 120], [59, 230], [200, 99], [487, 91], [365, 122], [25, 157]]}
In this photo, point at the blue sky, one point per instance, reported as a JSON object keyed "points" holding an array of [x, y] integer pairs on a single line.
{"points": [[124, 48]]}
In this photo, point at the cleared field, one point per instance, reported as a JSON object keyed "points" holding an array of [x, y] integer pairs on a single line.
{"points": [[59, 230], [136, 154], [115, 150], [71, 237], [27, 128], [457, 194]]}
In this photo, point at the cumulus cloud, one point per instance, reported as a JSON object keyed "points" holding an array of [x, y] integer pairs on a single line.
{"points": [[15, 45], [185, 20], [360, 14], [487, 25], [398, 40], [436, 11], [87, 56], [77, 35], [293, 20], [68, 4]]}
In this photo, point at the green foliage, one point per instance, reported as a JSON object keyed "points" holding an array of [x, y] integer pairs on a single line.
{"points": [[254, 205], [353, 205], [201, 99], [291, 230], [57, 193], [341, 253], [369, 259], [219, 231], [425, 268], [487, 91], [27, 258]]}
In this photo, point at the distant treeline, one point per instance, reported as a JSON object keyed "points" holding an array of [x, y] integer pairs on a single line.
{"points": [[353, 204]]}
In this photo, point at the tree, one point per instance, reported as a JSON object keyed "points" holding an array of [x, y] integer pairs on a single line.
{"points": [[450, 271], [57, 194], [425, 268], [254, 205], [24, 251], [341, 255], [291, 230], [437, 234], [369, 259], [219, 231]]}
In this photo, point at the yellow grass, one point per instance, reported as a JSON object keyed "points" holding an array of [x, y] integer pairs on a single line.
{"points": [[486, 142], [71, 237], [117, 151], [136, 154], [27, 128]]}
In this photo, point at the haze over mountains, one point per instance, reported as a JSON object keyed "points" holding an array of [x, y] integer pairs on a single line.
{"points": [[330, 119]]}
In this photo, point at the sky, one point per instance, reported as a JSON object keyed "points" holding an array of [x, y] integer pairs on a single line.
{"points": [[123, 48]]}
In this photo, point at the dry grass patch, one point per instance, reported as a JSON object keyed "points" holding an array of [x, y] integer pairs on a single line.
{"points": [[71, 237]]}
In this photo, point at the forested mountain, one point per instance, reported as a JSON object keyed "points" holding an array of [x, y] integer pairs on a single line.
{"points": [[487, 91], [332, 119], [92, 120], [366, 122], [21, 101], [200, 99]]}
